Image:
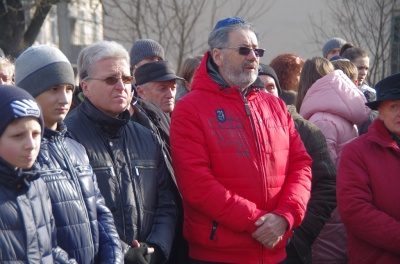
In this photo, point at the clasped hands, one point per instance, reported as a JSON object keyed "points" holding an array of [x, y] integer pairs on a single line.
{"points": [[271, 228]]}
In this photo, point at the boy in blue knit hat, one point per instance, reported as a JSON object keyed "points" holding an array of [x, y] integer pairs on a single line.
{"points": [[26, 221]]}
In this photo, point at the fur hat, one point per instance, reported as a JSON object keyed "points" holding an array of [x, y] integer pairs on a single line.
{"points": [[145, 48], [16, 103], [332, 43], [386, 89], [41, 67], [264, 69]]}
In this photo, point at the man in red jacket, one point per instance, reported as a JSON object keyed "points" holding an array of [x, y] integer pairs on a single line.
{"points": [[240, 165]]}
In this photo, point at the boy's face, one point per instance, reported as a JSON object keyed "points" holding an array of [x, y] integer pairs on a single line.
{"points": [[55, 103], [20, 142]]}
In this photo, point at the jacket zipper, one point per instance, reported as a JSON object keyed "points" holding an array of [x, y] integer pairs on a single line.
{"points": [[78, 187], [253, 127]]}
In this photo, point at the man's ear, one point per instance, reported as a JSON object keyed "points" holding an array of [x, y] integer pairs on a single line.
{"points": [[217, 56], [140, 91], [85, 90]]}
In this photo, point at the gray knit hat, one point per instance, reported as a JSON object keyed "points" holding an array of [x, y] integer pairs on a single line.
{"points": [[332, 43], [41, 67], [143, 49]]}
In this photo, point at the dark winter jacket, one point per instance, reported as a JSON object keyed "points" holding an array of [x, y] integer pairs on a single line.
{"points": [[27, 231], [323, 191], [85, 226], [154, 118], [131, 174]]}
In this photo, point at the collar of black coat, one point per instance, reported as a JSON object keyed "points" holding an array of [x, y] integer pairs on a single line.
{"points": [[112, 126], [15, 178]]}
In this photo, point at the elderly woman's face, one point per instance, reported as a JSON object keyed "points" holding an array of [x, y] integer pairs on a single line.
{"points": [[389, 113]]}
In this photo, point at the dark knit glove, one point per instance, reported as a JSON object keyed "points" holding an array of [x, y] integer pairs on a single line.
{"points": [[137, 255], [157, 257]]}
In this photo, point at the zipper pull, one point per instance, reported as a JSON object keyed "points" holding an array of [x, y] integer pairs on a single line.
{"points": [[213, 230], [246, 105], [137, 171]]}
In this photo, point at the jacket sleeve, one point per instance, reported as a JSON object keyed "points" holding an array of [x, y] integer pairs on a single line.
{"points": [[192, 165], [110, 250], [296, 189], [356, 203], [323, 190], [166, 216]]}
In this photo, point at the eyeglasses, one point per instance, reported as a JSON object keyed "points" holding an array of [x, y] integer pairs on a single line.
{"points": [[112, 80], [246, 51]]}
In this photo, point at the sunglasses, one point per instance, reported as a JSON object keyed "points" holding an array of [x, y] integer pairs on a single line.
{"points": [[112, 80], [246, 51]]}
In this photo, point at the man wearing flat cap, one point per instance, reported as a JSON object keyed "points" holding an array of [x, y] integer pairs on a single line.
{"points": [[156, 83], [368, 182]]}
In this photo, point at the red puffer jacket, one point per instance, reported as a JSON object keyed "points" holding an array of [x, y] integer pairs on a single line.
{"points": [[233, 166]]}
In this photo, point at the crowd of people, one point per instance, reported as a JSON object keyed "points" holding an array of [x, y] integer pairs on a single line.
{"points": [[229, 161]]}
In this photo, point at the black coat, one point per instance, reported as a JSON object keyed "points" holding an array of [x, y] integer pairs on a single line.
{"points": [[323, 191], [152, 117], [131, 174]]}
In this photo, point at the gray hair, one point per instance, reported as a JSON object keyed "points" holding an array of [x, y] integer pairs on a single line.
{"points": [[99, 51], [219, 38]]}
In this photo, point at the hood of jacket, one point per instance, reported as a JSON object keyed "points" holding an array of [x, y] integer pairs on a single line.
{"points": [[335, 93], [207, 77]]}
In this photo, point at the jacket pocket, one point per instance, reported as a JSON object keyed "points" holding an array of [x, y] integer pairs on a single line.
{"points": [[107, 182], [145, 185]]}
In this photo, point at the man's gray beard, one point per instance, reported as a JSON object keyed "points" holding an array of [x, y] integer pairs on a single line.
{"points": [[242, 80], [239, 78]]}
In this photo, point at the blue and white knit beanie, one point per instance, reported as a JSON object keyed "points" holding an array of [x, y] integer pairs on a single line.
{"points": [[16, 103], [41, 67]]}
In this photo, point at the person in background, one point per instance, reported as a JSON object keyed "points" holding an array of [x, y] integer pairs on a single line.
{"points": [[125, 156], [323, 185], [154, 118], [189, 66], [332, 102], [332, 47], [231, 145], [85, 226], [7, 69], [348, 68], [144, 51], [360, 58], [368, 180], [287, 67], [156, 83], [27, 231]]}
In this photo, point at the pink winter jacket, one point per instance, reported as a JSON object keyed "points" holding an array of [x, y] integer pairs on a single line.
{"points": [[335, 105]]}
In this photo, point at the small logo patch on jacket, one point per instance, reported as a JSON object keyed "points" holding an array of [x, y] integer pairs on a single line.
{"points": [[220, 115]]}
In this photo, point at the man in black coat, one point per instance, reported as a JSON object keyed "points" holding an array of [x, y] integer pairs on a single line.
{"points": [[126, 157]]}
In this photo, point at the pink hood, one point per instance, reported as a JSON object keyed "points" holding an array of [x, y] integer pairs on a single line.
{"points": [[335, 93]]}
